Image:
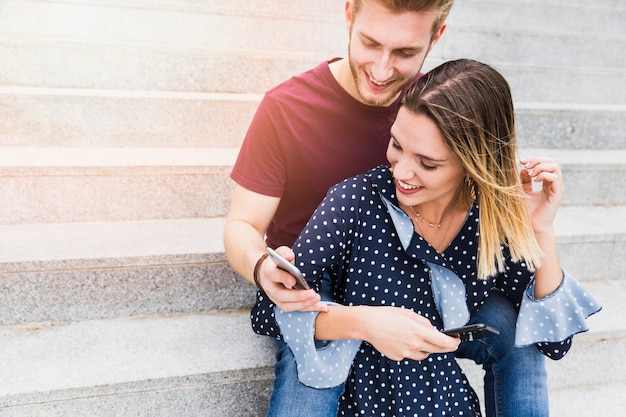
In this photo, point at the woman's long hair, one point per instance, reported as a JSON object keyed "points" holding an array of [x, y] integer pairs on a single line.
{"points": [[471, 104]]}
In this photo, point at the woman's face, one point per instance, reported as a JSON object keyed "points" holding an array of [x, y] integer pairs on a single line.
{"points": [[425, 169]]}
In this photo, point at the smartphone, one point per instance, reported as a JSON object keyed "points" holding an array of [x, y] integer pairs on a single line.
{"points": [[285, 265], [472, 332]]}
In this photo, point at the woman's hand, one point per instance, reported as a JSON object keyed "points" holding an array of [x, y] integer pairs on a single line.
{"points": [[399, 333], [542, 204]]}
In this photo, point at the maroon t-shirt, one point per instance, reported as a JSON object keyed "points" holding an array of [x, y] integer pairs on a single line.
{"points": [[308, 134]]}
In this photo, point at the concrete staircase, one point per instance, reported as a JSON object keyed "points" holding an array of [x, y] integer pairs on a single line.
{"points": [[119, 122]]}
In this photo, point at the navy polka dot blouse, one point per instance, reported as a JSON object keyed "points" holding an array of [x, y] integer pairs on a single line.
{"points": [[366, 244]]}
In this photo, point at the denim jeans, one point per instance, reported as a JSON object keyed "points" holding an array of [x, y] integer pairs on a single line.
{"points": [[291, 398], [515, 380]]}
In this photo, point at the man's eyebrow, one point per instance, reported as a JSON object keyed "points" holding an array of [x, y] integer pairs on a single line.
{"points": [[367, 37]]}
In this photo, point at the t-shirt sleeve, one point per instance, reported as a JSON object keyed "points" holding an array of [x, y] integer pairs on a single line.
{"points": [[260, 165]]}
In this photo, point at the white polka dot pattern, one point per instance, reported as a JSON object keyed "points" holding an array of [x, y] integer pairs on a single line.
{"points": [[362, 242], [557, 316]]}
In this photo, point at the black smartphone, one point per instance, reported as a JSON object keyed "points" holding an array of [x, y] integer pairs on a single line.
{"points": [[285, 265], [472, 332]]}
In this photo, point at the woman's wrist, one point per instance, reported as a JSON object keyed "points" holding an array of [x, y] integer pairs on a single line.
{"points": [[341, 323]]}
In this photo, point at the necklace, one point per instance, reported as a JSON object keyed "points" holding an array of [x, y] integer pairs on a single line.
{"points": [[419, 220], [419, 217]]}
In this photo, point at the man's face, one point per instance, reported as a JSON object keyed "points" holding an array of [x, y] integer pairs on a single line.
{"points": [[386, 50]]}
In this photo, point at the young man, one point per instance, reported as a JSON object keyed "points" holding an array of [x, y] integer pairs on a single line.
{"points": [[323, 126]]}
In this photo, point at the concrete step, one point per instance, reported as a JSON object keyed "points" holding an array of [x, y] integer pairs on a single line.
{"points": [[103, 270], [196, 27], [165, 45], [570, 126], [588, 233], [61, 185], [54, 117], [212, 364], [514, 32], [603, 399], [149, 67], [601, 17], [219, 48], [72, 65], [533, 47], [62, 117], [544, 49], [264, 27], [552, 84], [208, 364]]}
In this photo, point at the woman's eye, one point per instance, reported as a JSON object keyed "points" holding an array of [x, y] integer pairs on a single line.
{"points": [[428, 167], [394, 143]]}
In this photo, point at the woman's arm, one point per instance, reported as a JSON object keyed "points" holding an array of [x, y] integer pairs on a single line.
{"points": [[543, 205], [549, 275], [411, 335], [556, 306]]}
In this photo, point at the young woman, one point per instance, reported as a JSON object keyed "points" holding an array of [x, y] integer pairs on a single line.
{"points": [[417, 247]]}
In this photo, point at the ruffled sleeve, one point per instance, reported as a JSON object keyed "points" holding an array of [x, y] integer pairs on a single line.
{"points": [[322, 364], [556, 317]]}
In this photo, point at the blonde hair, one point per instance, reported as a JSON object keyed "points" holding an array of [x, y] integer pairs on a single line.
{"points": [[440, 7], [471, 104]]}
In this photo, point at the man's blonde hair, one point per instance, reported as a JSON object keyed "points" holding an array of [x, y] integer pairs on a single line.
{"points": [[440, 7]]}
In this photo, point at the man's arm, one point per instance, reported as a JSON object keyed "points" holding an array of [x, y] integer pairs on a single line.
{"points": [[249, 216]]}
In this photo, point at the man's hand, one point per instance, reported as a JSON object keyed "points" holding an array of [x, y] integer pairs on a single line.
{"points": [[278, 285]]}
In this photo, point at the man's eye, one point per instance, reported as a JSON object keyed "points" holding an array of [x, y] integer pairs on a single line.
{"points": [[406, 54]]}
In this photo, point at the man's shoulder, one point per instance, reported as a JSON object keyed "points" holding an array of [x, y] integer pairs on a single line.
{"points": [[311, 79]]}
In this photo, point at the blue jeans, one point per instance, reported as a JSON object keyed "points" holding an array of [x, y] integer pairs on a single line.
{"points": [[515, 377], [291, 398], [515, 382]]}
